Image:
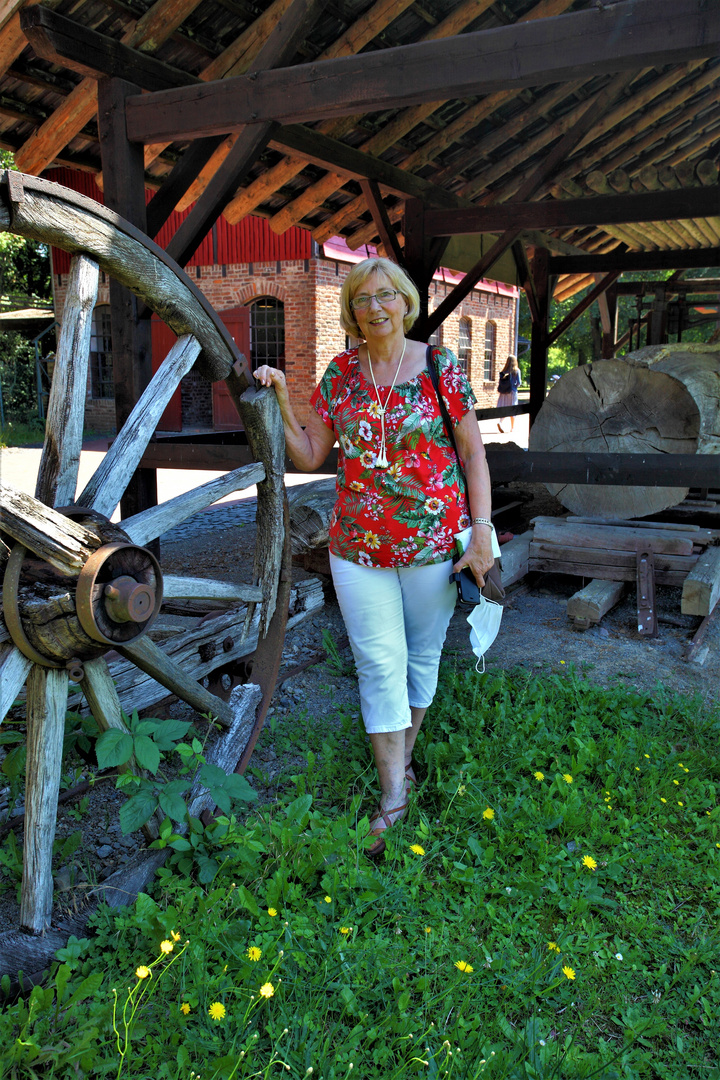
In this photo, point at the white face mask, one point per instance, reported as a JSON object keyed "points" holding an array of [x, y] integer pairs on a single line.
{"points": [[484, 622]]}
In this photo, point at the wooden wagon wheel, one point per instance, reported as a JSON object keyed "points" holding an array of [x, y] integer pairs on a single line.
{"points": [[75, 585]]}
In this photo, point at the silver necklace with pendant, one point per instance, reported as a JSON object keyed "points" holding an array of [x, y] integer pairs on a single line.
{"points": [[381, 461]]}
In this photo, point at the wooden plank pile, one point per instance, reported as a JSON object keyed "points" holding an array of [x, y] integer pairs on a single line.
{"points": [[683, 555]]}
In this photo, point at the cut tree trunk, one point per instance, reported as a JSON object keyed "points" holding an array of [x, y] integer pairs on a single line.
{"points": [[663, 399]]}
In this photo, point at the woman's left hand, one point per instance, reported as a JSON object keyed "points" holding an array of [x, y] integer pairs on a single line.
{"points": [[478, 554]]}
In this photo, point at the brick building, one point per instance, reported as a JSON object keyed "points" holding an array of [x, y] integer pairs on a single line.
{"points": [[279, 296]]}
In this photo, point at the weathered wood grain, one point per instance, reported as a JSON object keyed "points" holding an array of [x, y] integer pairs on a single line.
{"points": [[661, 399], [151, 659], [56, 539], [612, 557], [619, 539], [47, 691], [590, 603], [701, 589], [514, 558], [263, 424], [48, 213], [192, 588], [311, 506], [14, 668], [104, 490], [151, 523], [226, 752], [57, 478]]}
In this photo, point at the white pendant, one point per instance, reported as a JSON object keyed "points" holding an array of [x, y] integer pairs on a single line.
{"points": [[381, 462]]}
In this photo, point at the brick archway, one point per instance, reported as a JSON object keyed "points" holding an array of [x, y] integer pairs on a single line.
{"points": [[261, 287]]}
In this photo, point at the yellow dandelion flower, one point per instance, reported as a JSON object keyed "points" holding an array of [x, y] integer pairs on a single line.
{"points": [[539, 775], [175, 936], [686, 770], [417, 850], [328, 899], [662, 800], [267, 990], [680, 803], [488, 813], [142, 972], [345, 929], [567, 778], [637, 768], [461, 790], [562, 661], [428, 929], [647, 756], [166, 947], [462, 965], [676, 782], [254, 953], [217, 1011], [272, 912], [553, 946], [681, 765], [184, 1008], [568, 972], [589, 862]]}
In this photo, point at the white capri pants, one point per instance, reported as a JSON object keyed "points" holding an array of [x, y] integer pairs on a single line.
{"points": [[396, 621]]}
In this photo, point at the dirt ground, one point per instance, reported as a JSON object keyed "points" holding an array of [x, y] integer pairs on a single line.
{"points": [[535, 633]]}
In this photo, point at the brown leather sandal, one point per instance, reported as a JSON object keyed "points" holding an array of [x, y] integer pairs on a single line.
{"points": [[379, 846]]}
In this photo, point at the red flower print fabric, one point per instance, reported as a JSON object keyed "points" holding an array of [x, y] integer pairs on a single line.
{"points": [[407, 514]]}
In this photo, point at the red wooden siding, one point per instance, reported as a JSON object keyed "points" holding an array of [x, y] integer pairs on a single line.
{"points": [[251, 240]]}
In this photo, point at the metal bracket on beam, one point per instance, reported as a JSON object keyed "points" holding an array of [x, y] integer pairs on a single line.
{"points": [[646, 608]]}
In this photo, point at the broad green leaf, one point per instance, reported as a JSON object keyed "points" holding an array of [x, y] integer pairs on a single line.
{"points": [[173, 804], [212, 776], [113, 748], [179, 843], [136, 811], [168, 732], [247, 900], [86, 988], [207, 868], [222, 798], [238, 787], [298, 808], [147, 754], [14, 763]]}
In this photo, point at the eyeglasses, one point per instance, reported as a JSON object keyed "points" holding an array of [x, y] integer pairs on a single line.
{"points": [[385, 296]]}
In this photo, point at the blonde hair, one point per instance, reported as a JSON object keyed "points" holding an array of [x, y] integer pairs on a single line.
{"points": [[398, 279], [511, 364]]}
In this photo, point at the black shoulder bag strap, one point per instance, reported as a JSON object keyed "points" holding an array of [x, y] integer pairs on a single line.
{"points": [[492, 589]]}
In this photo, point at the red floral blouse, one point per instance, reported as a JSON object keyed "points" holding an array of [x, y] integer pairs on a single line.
{"points": [[407, 514]]}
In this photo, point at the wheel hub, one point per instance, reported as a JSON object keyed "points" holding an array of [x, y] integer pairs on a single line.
{"points": [[57, 621]]}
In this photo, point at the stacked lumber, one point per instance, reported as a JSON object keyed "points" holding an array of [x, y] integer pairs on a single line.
{"points": [[607, 550]]}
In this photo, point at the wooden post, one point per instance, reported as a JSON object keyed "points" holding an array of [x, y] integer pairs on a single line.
{"points": [[124, 189], [539, 335], [609, 317], [415, 259], [657, 332]]}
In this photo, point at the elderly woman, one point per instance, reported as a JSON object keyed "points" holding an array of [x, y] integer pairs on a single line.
{"points": [[400, 502]]}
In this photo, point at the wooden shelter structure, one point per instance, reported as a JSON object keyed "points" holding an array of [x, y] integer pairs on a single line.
{"points": [[558, 141]]}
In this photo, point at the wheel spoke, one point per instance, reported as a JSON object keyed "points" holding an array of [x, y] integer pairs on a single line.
{"points": [[151, 523], [107, 486], [146, 655], [56, 539], [57, 478], [188, 588], [47, 691], [14, 668]]}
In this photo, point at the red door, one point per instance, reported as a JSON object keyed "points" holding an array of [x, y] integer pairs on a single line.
{"points": [[163, 339], [225, 415]]}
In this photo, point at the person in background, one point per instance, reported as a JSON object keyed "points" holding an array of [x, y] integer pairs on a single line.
{"points": [[400, 501], [508, 385]]}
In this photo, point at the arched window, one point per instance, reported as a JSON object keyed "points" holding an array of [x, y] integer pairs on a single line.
{"points": [[489, 351], [267, 332], [465, 344], [101, 365]]}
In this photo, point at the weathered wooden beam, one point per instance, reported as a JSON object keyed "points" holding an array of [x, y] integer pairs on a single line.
{"points": [[555, 214], [79, 107], [582, 306], [72, 45], [625, 470], [629, 35], [278, 49], [387, 234], [124, 192], [699, 258]]}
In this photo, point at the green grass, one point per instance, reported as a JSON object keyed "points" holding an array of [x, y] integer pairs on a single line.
{"points": [[525, 777], [23, 433]]}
